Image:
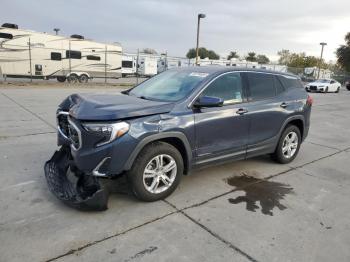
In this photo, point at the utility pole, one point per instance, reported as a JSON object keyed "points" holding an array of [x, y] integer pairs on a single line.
{"points": [[198, 25], [30, 60], [319, 64], [137, 66], [105, 64]]}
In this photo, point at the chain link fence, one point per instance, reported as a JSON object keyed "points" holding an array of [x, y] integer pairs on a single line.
{"points": [[107, 64]]}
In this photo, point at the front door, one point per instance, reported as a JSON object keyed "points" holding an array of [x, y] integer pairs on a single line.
{"points": [[222, 131]]}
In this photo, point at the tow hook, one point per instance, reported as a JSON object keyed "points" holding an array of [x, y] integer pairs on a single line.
{"points": [[84, 192]]}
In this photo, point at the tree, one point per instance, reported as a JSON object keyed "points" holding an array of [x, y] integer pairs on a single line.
{"points": [[284, 57], [262, 59], [233, 54], [251, 57], [343, 54], [202, 53], [149, 51]]}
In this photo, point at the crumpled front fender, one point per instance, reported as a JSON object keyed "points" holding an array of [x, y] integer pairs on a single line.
{"points": [[86, 193]]}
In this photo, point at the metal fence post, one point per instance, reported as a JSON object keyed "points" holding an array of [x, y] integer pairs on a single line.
{"points": [[105, 64], [30, 61], [69, 61], [137, 66]]}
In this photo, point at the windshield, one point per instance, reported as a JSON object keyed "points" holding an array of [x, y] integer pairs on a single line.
{"points": [[169, 85], [322, 81]]}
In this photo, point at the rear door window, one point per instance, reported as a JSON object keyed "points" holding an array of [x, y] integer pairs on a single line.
{"points": [[261, 86], [290, 82]]}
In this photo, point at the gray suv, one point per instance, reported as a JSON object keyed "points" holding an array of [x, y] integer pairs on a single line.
{"points": [[175, 121]]}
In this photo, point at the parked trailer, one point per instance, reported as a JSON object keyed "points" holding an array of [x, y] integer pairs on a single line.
{"points": [[128, 65], [147, 66], [25, 53]]}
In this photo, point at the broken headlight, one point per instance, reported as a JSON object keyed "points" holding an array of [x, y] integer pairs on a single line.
{"points": [[108, 131]]}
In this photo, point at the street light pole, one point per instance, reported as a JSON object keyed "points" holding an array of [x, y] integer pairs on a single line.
{"points": [[198, 25], [319, 65]]}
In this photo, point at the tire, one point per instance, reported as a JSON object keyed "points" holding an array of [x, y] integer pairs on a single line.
{"points": [[61, 79], [326, 91], [83, 78], [338, 89], [279, 155], [73, 78], [147, 159]]}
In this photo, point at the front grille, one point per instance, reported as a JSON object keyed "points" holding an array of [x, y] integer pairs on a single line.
{"points": [[62, 122], [68, 129], [313, 87], [74, 135]]}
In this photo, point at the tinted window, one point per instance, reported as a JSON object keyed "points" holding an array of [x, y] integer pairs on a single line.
{"points": [[93, 57], [261, 86], [73, 54], [290, 82], [7, 36], [127, 64], [228, 87], [278, 86], [56, 56]]}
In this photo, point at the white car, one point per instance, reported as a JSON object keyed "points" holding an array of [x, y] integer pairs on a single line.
{"points": [[323, 85]]}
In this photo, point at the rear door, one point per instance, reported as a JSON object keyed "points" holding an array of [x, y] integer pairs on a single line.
{"points": [[267, 110]]}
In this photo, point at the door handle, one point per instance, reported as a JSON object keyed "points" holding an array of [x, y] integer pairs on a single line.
{"points": [[284, 105], [241, 111]]}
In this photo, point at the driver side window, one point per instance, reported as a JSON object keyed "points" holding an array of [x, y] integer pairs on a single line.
{"points": [[227, 87]]}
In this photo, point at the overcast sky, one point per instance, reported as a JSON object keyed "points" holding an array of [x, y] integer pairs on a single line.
{"points": [[263, 26]]}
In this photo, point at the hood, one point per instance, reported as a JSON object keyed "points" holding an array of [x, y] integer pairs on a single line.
{"points": [[111, 107], [318, 84]]}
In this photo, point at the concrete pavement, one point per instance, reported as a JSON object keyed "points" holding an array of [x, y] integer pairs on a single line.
{"points": [[254, 210]]}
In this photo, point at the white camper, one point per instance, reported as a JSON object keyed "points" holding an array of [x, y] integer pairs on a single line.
{"points": [[128, 65], [25, 53], [147, 66]]}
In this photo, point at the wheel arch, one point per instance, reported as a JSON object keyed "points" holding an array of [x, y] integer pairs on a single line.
{"points": [[297, 121], [176, 139]]}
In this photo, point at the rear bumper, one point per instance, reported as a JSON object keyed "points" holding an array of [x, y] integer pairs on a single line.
{"points": [[80, 191]]}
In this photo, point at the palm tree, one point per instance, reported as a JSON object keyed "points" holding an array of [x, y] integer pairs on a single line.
{"points": [[343, 54]]}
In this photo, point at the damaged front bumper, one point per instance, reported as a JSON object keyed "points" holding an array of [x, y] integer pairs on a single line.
{"points": [[71, 186]]}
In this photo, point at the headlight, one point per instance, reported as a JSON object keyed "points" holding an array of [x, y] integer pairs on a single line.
{"points": [[108, 132]]}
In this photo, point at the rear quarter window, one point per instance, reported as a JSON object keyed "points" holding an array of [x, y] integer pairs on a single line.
{"points": [[261, 86], [290, 82]]}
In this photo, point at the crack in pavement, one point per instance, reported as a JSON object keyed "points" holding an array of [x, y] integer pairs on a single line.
{"points": [[227, 243], [181, 211], [29, 111]]}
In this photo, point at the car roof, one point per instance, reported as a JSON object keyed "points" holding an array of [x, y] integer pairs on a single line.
{"points": [[224, 69]]}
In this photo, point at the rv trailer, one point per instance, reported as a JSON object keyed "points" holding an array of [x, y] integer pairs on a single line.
{"points": [[147, 66], [25, 53], [128, 65]]}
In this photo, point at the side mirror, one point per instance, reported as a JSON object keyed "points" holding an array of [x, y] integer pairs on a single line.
{"points": [[208, 101]]}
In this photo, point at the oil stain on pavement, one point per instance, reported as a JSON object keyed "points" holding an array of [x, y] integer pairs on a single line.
{"points": [[267, 193]]}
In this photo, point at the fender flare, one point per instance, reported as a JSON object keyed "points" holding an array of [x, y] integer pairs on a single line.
{"points": [[288, 120], [145, 141]]}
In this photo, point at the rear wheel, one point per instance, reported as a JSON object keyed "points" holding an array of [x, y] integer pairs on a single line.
{"points": [[288, 145], [83, 79], [326, 91], [156, 172], [61, 79], [73, 78]]}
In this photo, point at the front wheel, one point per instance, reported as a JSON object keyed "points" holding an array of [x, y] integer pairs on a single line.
{"points": [[326, 91], [338, 89], [288, 145], [156, 172]]}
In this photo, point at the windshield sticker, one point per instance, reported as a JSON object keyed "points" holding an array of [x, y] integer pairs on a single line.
{"points": [[197, 74]]}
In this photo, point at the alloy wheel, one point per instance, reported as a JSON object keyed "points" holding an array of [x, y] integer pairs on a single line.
{"points": [[159, 174], [290, 144]]}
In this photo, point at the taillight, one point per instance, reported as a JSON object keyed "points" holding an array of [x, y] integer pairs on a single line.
{"points": [[309, 100]]}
